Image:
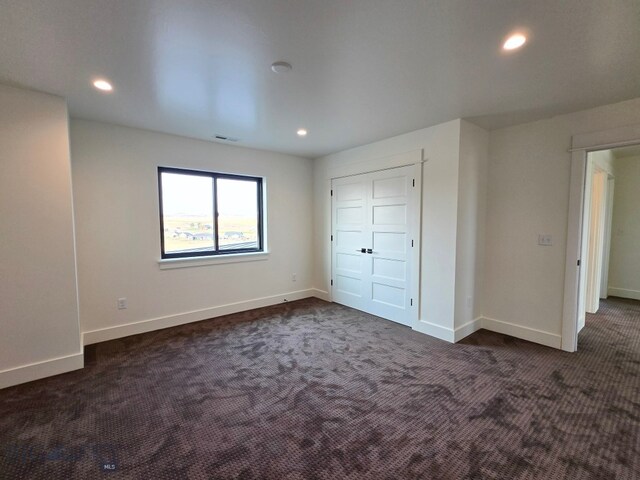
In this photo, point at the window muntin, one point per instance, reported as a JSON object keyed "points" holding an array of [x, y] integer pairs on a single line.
{"points": [[209, 213]]}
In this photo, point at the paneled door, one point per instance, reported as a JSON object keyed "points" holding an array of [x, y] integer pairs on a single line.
{"points": [[374, 242]]}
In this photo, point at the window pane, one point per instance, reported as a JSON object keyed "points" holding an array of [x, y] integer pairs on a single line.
{"points": [[238, 214], [187, 208]]}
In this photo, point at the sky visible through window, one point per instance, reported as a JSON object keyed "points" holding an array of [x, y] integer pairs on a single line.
{"points": [[193, 195], [187, 195]]}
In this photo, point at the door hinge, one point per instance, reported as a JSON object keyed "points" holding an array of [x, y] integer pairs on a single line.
{"points": [[412, 302], [332, 193], [331, 282], [578, 262], [414, 182], [412, 243], [332, 238]]}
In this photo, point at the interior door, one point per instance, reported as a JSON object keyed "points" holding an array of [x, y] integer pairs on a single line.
{"points": [[349, 218], [373, 242], [596, 240]]}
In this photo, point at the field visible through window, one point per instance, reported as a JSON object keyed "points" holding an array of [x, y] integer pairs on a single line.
{"points": [[192, 234]]}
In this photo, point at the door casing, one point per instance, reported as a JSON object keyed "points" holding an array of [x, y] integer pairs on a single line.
{"points": [[414, 220], [581, 145]]}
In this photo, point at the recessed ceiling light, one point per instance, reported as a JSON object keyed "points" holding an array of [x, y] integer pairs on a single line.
{"points": [[103, 85], [514, 41], [302, 132], [281, 67]]}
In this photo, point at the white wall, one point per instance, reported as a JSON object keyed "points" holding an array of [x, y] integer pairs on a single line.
{"points": [[116, 199], [528, 194], [38, 294], [472, 188], [444, 285], [624, 270], [439, 227]]}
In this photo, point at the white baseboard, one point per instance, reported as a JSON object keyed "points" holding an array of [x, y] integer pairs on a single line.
{"points": [[467, 329], [438, 331], [38, 370], [525, 333], [143, 326], [624, 293], [448, 334], [518, 331], [321, 294]]}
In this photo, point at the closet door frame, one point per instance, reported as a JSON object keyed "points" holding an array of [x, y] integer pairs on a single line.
{"points": [[414, 231]]}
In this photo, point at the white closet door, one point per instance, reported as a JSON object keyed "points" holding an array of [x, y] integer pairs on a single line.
{"points": [[349, 218], [373, 212]]}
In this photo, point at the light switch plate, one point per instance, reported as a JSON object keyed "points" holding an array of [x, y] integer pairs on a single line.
{"points": [[545, 240]]}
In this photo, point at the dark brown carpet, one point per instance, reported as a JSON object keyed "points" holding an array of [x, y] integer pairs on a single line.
{"points": [[312, 390]]}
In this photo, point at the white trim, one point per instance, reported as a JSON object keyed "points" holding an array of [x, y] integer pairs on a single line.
{"points": [[416, 234], [38, 370], [397, 160], [438, 331], [170, 263], [467, 329], [524, 333], [491, 324], [607, 146], [570, 310], [321, 294], [606, 139], [624, 293], [143, 326]]}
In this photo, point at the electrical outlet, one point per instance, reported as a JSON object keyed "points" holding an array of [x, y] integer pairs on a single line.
{"points": [[122, 303], [545, 240], [294, 277]]}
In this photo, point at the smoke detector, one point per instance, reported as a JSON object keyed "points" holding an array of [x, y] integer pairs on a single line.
{"points": [[281, 67]]}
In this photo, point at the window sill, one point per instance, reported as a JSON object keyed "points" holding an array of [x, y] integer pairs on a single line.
{"points": [[170, 263]]}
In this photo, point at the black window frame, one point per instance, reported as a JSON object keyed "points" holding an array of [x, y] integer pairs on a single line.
{"points": [[214, 177]]}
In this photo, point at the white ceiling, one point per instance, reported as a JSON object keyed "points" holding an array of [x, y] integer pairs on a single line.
{"points": [[363, 70]]}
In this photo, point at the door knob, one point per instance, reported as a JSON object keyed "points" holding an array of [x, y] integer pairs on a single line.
{"points": [[363, 250]]}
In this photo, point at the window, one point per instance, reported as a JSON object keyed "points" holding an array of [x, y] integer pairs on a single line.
{"points": [[207, 213]]}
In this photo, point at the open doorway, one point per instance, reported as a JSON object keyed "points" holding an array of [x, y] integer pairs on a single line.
{"points": [[610, 249], [575, 271]]}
